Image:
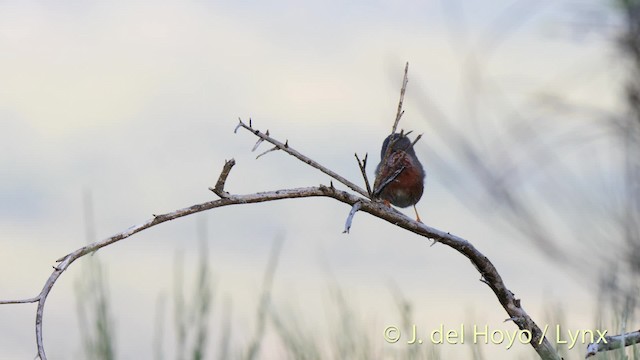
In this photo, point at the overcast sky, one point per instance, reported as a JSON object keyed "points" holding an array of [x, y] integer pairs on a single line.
{"points": [[135, 103]]}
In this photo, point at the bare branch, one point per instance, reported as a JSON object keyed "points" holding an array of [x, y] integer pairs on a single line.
{"points": [[352, 213], [391, 215], [405, 80], [24, 301], [219, 188], [363, 169], [268, 151], [258, 143], [377, 188], [289, 150], [606, 343]]}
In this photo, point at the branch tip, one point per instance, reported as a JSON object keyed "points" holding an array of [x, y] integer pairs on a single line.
{"points": [[268, 151], [347, 226], [416, 140], [260, 140], [362, 165], [403, 89], [219, 188]]}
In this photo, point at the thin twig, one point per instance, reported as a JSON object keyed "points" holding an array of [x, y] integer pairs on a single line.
{"points": [[289, 150], [363, 169], [258, 143], [23, 301], [416, 140], [268, 151], [405, 80], [377, 187], [352, 213]]}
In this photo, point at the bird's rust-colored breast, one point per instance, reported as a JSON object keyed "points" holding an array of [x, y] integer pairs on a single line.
{"points": [[406, 189]]}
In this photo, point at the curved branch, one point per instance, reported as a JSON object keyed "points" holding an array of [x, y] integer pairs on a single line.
{"points": [[391, 215]]}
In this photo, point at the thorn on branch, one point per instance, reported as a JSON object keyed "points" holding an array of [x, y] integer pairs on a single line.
{"points": [[260, 140], [268, 151], [352, 213], [219, 188], [240, 123]]}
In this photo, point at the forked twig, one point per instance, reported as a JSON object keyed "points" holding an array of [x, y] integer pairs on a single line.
{"points": [[363, 169]]}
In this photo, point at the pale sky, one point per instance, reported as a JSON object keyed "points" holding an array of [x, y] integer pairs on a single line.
{"points": [[135, 102]]}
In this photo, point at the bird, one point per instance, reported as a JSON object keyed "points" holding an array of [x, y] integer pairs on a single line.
{"points": [[399, 175]]}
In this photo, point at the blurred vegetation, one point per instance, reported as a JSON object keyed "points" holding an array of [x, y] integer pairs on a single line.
{"points": [[517, 167], [92, 299], [191, 319], [351, 337]]}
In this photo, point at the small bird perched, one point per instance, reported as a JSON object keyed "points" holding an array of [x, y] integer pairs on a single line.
{"points": [[399, 176]]}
